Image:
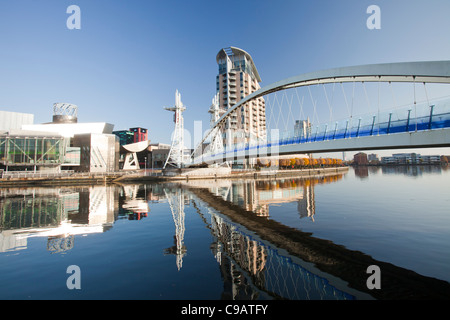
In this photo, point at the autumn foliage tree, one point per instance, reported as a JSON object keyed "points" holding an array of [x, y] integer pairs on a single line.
{"points": [[298, 163]]}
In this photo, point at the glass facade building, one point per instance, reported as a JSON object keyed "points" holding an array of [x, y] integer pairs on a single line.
{"points": [[131, 136], [31, 151], [62, 145], [125, 137]]}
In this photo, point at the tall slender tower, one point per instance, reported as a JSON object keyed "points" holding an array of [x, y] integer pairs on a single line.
{"points": [[216, 144], [176, 154], [237, 78]]}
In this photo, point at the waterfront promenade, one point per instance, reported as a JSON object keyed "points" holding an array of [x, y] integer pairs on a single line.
{"points": [[10, 180]]}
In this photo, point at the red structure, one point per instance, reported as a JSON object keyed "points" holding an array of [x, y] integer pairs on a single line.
{"points": [[140, 134]]}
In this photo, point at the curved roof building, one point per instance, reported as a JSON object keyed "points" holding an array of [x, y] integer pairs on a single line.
{"points": [[238, 77], [240, 60]]}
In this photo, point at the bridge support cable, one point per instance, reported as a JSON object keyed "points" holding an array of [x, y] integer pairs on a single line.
{"points": [[290, 114], [328, 101], [301, 111], [415, 102], [395, 105], [314, 103]]}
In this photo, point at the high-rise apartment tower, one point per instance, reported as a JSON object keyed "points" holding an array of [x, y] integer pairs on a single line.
{"points": [[237, 78]]}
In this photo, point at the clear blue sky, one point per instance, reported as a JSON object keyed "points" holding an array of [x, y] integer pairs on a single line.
{"points": [[125, 63]]}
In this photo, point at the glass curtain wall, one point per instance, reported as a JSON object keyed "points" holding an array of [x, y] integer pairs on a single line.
{"points": [[31, 151]]}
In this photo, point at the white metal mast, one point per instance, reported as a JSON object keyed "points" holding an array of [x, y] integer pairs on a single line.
{"points": [[216, 143], [176, 154]]}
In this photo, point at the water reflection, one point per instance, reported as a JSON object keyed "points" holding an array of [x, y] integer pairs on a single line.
{"points": [[251, 267], [58, 214], [177, 199], [62, 213], [258, 195], [409, 170]]}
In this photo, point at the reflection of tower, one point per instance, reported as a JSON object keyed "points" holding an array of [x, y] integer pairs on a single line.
{"points": [[176, 203], [238, 256], [176, 154], [306, 207]]}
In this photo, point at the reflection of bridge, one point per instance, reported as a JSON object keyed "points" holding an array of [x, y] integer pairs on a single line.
{"points": [[418, 125], [250, 268], [250, 253], [253, 268]]}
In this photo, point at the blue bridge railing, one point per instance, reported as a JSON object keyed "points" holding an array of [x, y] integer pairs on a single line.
{"points": [[420, 117]]}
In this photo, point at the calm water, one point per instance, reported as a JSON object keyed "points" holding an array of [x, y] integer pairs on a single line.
{"points": [[163, 241]]}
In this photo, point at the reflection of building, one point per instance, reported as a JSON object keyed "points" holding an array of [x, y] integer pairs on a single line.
{"points": [[307, 205], [237, 255], [362, 171], [134, 205], [253, 270], [415, 170], [58, 214], [258, 195]]}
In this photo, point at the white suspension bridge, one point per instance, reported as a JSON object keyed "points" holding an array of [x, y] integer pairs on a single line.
{"points": [[414, 114]]}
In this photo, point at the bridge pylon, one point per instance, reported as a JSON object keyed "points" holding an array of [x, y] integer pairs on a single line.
{"points": [[216, 143], [175, 157]]}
